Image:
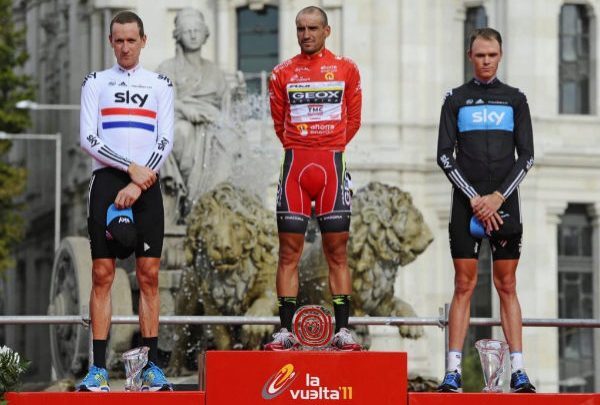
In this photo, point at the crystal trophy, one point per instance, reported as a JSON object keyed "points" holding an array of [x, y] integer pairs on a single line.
{"points": [[135, 360], [493, 355]]}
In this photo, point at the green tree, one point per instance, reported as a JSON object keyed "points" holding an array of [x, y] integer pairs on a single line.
{"points": [[14, 86]]}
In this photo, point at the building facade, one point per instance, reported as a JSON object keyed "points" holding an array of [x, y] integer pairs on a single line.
{"points": [[409, 54]]}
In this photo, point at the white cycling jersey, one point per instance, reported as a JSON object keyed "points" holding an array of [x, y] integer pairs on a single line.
{"points": [[127, 116]]}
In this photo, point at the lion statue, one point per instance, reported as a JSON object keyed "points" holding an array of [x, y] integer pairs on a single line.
{"points": [[387, 231], [230, 249]]}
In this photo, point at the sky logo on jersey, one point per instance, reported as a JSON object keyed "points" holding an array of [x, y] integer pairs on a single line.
{"points": [[485, 118]]}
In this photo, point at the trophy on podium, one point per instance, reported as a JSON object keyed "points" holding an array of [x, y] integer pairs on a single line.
{"points": [[135, 360], [493, 355], [313, 327]]}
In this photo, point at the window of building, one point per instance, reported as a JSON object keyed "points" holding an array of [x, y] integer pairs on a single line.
{"points": [[258, 44], [575, 300], [475, 18], [574, 63]]}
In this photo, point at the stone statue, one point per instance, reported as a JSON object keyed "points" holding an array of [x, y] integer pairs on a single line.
{"points": [[202, 92], [231, 248]]}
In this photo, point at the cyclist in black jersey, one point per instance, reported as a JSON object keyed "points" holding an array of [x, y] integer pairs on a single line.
{"points": [[482, 124]]}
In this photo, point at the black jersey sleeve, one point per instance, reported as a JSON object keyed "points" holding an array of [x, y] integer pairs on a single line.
{"points": [[447, 137], [523, 134]]}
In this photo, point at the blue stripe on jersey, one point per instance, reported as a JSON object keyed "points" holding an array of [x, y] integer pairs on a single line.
{"points": [[485, 117], [127, 124]]}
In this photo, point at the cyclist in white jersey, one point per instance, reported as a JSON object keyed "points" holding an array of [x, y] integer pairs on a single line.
{"points": [[127, 116]]}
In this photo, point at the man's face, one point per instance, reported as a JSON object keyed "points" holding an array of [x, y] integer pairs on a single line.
{"points": [[192, 35], [311, 32], [127, 44], [485, 55]]}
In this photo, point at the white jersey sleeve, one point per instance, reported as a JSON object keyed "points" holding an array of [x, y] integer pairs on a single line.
{"points": [[165, 118], [88, 127]]}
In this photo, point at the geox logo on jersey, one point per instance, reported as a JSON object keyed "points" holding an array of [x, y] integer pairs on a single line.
{"points": [[314, 97], [485, 117], [131, 98]]}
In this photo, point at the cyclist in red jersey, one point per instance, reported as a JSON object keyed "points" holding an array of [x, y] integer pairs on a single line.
{"points": [[316, 106]]}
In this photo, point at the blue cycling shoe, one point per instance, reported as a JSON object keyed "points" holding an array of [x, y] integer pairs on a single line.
{"points": [[96, 380], [452, 382], [519, 382], [153, 379]]}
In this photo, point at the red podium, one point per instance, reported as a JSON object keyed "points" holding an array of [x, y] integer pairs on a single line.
{"points": [[101, 398], [418, 398], [305, 377]]}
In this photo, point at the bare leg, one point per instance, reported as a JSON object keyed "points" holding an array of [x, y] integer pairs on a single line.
{"points": [[290, 250], [505, 281], [103, 274], [465, 280], [335, 249], [149, 304]]}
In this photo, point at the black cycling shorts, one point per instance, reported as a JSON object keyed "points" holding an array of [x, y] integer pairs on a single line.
{"points": [[148, 214], [465, 246]]}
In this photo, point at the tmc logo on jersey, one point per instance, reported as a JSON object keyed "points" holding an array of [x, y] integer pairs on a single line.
{"points": [[485, 118]]}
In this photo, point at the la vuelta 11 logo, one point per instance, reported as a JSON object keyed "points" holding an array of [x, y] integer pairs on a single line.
{"points": [[281, 381]]}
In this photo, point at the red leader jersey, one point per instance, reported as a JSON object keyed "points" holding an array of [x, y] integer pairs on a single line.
{"points": [[316, 101]]}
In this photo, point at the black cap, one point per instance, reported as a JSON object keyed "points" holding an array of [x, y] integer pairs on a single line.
{"points": [[510, 228], [120, 228]]}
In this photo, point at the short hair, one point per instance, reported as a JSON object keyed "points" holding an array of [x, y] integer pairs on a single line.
{"points": [[314, 9], [124, 17], [485, 33]]}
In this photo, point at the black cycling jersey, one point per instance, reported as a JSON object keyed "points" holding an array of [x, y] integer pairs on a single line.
{"points": [[483, 123]]}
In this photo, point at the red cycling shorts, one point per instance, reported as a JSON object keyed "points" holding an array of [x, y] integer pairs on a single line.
{"points": [[317, 176]]}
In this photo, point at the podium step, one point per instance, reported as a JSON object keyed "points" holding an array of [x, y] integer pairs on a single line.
{"points": [[109, 398], [252, 377], [435, 398]]}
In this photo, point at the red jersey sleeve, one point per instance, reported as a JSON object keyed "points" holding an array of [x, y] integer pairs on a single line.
{"points": [[353, 102], [278, 102]]}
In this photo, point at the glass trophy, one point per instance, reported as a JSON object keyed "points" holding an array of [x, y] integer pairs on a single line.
{"points": [[313, 327], [493, 355], [135, 360]]}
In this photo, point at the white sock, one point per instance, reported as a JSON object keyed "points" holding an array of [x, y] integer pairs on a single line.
{"points": [[516, 361], [454, 361]]}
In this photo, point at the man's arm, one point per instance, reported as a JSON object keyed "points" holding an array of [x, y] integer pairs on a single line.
{"points": [[353, 103], [88, 127], [165, 121], [445, 150], [523, 133], [278, 102]]}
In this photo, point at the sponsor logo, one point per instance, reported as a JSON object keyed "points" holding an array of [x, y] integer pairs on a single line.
{"points": [[479, 101], [123, 84], [322, 96], [303, 129], [301, 69], [313, 389], [279, 382], [493, 117], [165, 78], [329, 76], [529, 164], [445, 162], [315, 108], [92, 140], [124, 220], [329, 68], [87, 77], [134, 98], [162, 144], [485, 117], [321, 129], [146, 247], [112, 83], [469, 101]]}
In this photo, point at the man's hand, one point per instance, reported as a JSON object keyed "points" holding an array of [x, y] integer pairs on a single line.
{"points": [[486, 210], [127, 196], [143, 176]]}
